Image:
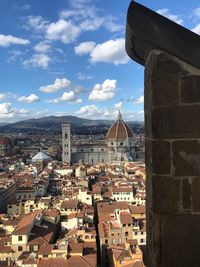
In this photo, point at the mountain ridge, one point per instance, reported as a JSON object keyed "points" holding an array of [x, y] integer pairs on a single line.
{"points": [[53, 123]]}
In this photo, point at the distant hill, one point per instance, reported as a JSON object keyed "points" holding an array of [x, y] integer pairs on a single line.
{"points": [[53, 124]]}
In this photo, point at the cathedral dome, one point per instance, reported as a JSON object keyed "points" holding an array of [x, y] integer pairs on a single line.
{"points": [[119, 130], [5, 141]]}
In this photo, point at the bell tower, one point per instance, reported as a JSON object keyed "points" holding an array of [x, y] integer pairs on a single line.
{"points": [[66, 143]]}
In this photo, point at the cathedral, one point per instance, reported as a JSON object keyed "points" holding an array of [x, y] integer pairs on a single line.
{"points": [[118, 147]]}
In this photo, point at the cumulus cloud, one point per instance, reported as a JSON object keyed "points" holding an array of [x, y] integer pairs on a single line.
{"points": [[118, 105], [8, 112], [29, 99], [62, 30], [166, 13], [196, 29], [36, 23], [112, 51], [38, 61], [104, 91], [3, 96], [96, 112], [42, 47], [66, 97], [84, 48], [56, 86], [140, 100], [7, 40]]}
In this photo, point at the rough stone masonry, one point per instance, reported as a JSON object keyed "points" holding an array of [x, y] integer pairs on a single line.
{"points": [[172, 129]]}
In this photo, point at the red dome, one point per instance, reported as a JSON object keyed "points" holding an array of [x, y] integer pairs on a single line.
{"points": [[5, 141], [119, 130]]}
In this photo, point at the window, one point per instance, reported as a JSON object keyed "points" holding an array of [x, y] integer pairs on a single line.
{"points": [[121, 144], [102, 149], [142, 240], [126, 233], [106, 241], [20, 248], [141, 233], [66, 136], [92, 149], [81, 150], [102, 160], [112, 143], [92, 160], [19, 238]]}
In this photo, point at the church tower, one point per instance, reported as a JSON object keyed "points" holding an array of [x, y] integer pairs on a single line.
{"points": [[66, 143]]}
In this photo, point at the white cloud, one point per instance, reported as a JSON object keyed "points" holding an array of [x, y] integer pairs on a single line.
{"points": [[92, 24], [88, 111], [66, 97], [3, 96], [197, 12], [84, 48], [36, 23], [7, 40], [196, 29], [112, 51], [56, 86], [42, 47], [62, 30], [118, 106], [95, 112], [166, 13], [8, 112], [78, 89], [38, 61], [140, 100], [29, 99], [104, 91], [83, 76]]}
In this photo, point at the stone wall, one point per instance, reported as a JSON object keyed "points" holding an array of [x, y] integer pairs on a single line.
{"points": [[172, 156]]}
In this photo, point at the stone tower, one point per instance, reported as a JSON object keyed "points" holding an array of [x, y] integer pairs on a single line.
{"points": [[66, 143]]}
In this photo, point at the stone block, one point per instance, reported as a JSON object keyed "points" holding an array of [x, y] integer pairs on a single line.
{"points": [[165, 194], [196, 195], [157, 157], [190, 89], [186, 194], [186, 158], [162, 74], [161, 158], [180, 240], [176, 122]]}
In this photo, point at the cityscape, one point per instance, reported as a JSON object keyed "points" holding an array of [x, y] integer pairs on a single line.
{"points": [[99, 133], [73, 200]]}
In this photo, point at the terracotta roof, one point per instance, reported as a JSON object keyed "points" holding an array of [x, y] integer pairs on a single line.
{"points": [[69, 204], [82, 261], [119, 130], [53, 262], [45, 249], [125, 218], [137, 209], [6, 249]]}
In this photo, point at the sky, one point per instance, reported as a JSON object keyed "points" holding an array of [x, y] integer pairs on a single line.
{"points": [[67, 57]]}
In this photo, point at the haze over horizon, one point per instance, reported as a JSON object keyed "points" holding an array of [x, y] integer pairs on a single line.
{"points": [[68, 58]]}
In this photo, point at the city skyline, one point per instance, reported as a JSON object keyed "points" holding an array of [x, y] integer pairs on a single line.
{"points": [[68, 58]]}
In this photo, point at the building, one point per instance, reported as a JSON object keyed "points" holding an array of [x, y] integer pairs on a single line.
{"points": [[5, 146], [119, 146]]}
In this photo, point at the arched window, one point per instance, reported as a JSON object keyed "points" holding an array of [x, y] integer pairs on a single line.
{"points": [[20, 248], [126, 233]]}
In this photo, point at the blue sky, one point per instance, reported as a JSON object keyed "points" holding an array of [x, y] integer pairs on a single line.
{"points": [[60, 57]]}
